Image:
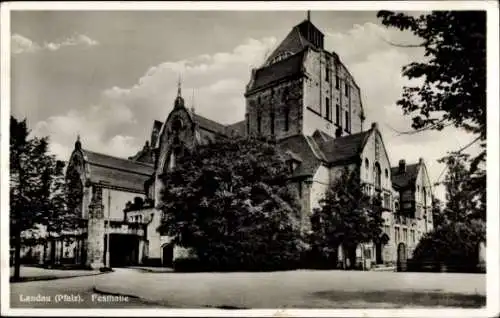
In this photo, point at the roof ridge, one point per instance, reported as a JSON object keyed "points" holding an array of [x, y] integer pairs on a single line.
{"points": [[119, 158]]}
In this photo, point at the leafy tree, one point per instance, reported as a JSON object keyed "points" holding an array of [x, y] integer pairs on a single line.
{"points": [[36, 195], [454, 244], [453, 91], [229, 202], [438, 216], [460, 225], [347, 216], [27, 162], [463, 200], [60, 203]]}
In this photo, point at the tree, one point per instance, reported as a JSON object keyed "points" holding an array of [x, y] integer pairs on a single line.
{"points": [[229, 202], [460, 225], [438, 216], [454, 245], [464, 198], [61, 199], [347, 216], [453, 91], [37, 195], [27, 163]]}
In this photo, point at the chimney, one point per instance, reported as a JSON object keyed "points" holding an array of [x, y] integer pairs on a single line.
{"points": [[402, 166], [374, 126], [420, 160], [338, 132]]}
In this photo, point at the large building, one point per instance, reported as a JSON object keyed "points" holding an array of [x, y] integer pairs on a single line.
{"points": [[304, 97]]}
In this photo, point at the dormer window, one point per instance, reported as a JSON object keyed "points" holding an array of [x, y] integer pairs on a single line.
{"points": [[292, 165], [281, 56]]}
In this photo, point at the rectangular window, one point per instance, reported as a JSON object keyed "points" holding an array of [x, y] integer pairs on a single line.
{"points": [[328, 106], [405, 235], [337, 114], [327, 75], [397, 234], [346, 89], [337, 82], [413, 236], [300, 189]]}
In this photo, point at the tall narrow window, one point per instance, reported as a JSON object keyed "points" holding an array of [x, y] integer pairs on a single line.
{"points": [[248, 123], [259, 122], [272, 122], [337, 82], [337, 114], [378, 179], [328, 114], [287, 118], [346, 89], [346, 124], [327, 74]]}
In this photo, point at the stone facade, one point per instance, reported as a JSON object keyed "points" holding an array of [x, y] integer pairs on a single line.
{"points": [[305, 98], [95, 242]]}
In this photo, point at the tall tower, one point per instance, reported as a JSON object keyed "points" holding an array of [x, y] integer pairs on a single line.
{"points": [[302, 88]]}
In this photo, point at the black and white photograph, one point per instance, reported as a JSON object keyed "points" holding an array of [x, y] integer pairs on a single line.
{"points": [[250, 158]]}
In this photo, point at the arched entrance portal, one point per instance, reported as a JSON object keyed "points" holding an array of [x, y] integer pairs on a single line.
{"points": [[167, 255], [401, 262]]}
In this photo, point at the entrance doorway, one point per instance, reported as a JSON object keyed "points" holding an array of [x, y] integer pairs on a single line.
{"points": [[401, 262], [123, 250], [378, 253], [167, 255]]}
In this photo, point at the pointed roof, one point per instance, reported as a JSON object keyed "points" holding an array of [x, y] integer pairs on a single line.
{"points": [[344, 149], [115, 172], [274, 73], [179, 101], [404, 179]]}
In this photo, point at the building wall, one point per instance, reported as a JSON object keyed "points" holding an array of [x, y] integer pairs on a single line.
{"points": [[114, 202], [277, 99], [320, 89], [319, 187], [423, 202]]}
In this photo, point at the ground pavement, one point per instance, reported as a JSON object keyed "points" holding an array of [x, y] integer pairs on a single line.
{"points": [[288, 289]]}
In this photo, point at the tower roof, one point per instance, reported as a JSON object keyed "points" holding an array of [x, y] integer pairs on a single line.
{"points": [[179, 101]]}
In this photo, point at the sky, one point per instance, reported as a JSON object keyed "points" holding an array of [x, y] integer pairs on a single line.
{"points": [[107, 75]]}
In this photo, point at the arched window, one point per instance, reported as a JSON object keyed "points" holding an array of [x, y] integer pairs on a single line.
{"points": [[367, 169], [378, 173]]}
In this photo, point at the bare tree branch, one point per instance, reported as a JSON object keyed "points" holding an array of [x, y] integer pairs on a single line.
{"points": [[400, 44], [416, 131]]}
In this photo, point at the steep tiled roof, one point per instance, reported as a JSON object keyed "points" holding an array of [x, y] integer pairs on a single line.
{"points": [[117, 172], [345, 148], [320, 136], [298, 147], [288, 67], [403, 180], [209, 124], [237, 128]]}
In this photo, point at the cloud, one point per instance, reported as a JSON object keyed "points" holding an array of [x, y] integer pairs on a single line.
{"points": [[21, 44], [376, 66], [120, 121]]}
